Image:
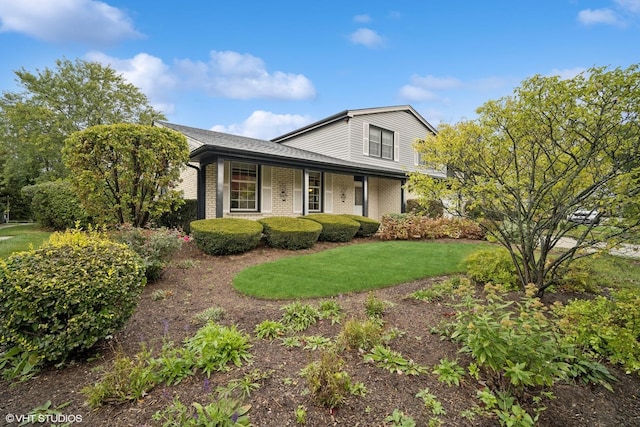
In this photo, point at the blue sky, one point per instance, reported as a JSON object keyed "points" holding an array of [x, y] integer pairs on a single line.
{"points": [[261, 69]]}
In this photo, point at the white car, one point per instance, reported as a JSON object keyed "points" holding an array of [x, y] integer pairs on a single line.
{"points": [[585, 216]]}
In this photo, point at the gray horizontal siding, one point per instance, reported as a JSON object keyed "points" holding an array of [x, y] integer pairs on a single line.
{"points": [[330, 140]]}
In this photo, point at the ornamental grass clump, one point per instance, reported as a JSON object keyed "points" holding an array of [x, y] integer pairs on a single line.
{"points": [[63, 297]]}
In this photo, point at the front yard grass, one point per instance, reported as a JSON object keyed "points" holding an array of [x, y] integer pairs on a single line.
{"points": [[21, 237], [353, 268]]}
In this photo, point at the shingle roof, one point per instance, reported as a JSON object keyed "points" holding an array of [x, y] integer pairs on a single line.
{"points": [[210, 143]]}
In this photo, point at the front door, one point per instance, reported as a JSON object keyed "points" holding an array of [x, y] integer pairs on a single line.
{"points": [[359, 198]]}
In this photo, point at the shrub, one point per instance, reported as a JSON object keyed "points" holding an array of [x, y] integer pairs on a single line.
{"points": [[66, 295], [224, 236], [181, 217], [155, 246], [360, 334], [492, 266], [606, 327], [368, 226], [328, 383], [415, 227], [335, 228], [290, 233], [55, 205], [298, 316]]}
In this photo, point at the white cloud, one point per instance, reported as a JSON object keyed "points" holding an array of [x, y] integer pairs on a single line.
{"points": [[265, 125], [567, 73], [424, 88], [362, 18], [243, 76], [631, 6], [86, 21], [366, 37], [598, 16], [148, 73]]}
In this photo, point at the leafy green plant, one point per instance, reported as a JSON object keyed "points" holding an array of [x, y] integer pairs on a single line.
{"points": [[301, 415], [298, 316], [374, 307], [291, 342], [270, 329], [360, 334], [173, 364], [431, 402], [215, 346], [400, 419], [16, 363], [155, 246], [55, 205], [63, 297], [316, 342], [449, 372], [330, 309], [605, 327], [129, 379], [393, 361], [328, 383], [211, 314], [508, 411], [440, 291], [222, 412], [243, 387]]}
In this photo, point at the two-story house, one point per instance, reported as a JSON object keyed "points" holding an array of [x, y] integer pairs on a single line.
{"points": [[355, 161]]}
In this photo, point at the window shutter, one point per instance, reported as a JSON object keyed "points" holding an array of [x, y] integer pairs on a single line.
{"points": [[365, 139], [267, 193], [396, 146], [328, 193], [416, 158], [226, 187], [297, 191]]}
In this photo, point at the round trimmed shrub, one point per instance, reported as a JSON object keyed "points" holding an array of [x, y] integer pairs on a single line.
{"points": [[225, 236], [368, 226], [63, 297], [335, 228], [290, 233]]}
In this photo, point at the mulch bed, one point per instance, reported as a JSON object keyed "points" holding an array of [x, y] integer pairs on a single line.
{"points": [[207, 283]]}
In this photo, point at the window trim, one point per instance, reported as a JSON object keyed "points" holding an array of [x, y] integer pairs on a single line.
{"points": [[256, 182], [379, 145], [319, 188]]}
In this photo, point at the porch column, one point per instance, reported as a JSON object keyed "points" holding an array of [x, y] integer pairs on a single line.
{"points": [[305, 191], [202, 192], [365, 195], [220, 188]]}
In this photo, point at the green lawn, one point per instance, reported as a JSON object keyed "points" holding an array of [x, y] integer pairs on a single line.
{"points": [[614, 272], [21, 237], [353, 268]]}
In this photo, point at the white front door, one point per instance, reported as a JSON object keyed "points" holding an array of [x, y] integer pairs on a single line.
{"points": [[359, 198]]}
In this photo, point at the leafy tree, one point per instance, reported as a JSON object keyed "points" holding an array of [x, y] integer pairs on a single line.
{"points": [[124, 173], [53, 104], [530, 160]]}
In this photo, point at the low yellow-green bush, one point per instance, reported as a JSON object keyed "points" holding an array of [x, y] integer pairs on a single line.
{"points": [[335, 228], [224, 236], [290, 233], [63, 297]]}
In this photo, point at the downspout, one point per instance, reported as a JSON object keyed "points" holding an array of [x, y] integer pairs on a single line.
{"points": [[200, 191]]}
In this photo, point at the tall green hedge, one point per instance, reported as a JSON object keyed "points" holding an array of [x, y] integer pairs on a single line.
{"points": [[224, 236], [335, 228], [290, 233], [63, 297], [368, 226], [55, 205]]}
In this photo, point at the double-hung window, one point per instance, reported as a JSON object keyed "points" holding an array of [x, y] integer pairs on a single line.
{"points": [[381, 143], [315, 191], [244, 186]]}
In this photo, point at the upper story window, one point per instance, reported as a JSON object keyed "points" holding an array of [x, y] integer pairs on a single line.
{"points": [[244, 187], [381, 143], [315, 191]]}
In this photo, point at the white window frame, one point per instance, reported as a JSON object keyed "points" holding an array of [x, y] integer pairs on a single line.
{"points": [[243, 204], [377, 143], [315, 192]]}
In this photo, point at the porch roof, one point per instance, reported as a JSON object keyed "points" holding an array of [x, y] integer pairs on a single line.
{"points": [[209, 145]]}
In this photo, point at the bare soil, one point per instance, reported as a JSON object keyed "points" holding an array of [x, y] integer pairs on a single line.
{"points": [[208, 283]]}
